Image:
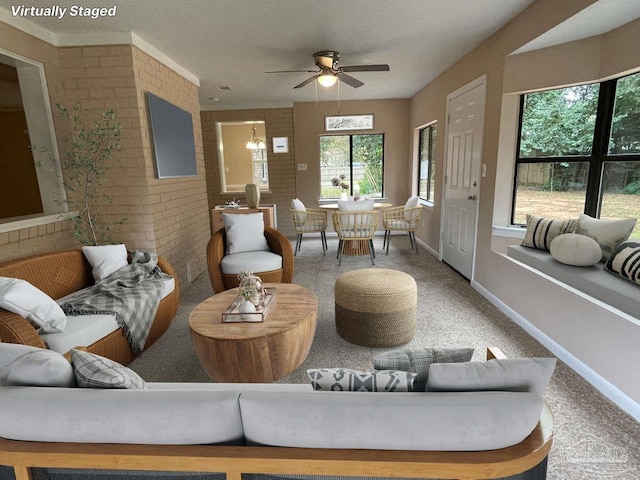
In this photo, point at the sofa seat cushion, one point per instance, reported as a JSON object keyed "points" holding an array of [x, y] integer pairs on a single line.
{"points": [[81, 331], [86, 415], [257, 261], [415, 421]]}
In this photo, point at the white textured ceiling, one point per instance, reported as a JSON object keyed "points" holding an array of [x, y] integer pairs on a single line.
{"points": [[233, 42]]}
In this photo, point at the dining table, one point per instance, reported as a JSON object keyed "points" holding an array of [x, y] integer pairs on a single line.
{"points": [[358, 247]]}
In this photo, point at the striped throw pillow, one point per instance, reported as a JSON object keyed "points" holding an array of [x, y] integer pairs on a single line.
{"points": [[625, 261], [541, 231]]}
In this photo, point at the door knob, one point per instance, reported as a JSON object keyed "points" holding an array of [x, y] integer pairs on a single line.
{"points": [[471, 197]]}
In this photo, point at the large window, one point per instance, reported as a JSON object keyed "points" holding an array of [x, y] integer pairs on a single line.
{"points": [[349, 160], [579, 152], [426, 162]]}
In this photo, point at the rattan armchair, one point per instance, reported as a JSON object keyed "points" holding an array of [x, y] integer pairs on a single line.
{"points": [[278, 244], [309, 220], [356, 229], [400, 219]]}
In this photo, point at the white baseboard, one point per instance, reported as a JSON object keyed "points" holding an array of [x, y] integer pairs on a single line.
{"points": [[428, 248], [612, 392]]}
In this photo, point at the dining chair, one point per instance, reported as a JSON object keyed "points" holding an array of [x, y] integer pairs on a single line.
{"points": [[308, 220], [402, 219], [355, 224]]}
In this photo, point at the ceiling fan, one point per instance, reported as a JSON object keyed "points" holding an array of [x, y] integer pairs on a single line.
{"points": [[329, 72]]}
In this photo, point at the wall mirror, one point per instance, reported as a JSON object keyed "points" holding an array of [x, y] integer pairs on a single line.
{"points": [[242, 151]]}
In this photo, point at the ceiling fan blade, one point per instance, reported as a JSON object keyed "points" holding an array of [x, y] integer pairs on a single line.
{"points": [[293, 71], [307, 81], [365, 68], [349, 80]]}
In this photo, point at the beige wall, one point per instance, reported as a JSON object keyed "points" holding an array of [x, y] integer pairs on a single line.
{"points": [[391, 117], [555, 314], [278, 123]]}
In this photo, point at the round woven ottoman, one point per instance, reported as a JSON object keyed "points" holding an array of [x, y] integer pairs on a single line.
{"points": [[376, 307]]}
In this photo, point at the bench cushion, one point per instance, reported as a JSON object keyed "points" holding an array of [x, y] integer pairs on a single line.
{"points": [[594, 280]]}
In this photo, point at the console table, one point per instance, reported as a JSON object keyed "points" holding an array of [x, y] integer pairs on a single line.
{"points": [[268, 211]]}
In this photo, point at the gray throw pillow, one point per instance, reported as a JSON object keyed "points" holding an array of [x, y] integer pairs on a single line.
{"points": [[347, 380], [506, 374], [94, 371], [418, 361]]}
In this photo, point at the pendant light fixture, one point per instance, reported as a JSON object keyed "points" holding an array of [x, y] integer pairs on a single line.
{"points": [[255, 143]]}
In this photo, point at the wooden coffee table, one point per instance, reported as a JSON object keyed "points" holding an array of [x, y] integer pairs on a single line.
{"points": [[255, 352]]}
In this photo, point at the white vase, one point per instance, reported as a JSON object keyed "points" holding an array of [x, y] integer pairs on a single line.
{"points": [[247, 307], [252, 192]]}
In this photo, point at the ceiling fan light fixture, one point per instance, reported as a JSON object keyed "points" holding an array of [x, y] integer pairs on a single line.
{"points": [[327, 79]]}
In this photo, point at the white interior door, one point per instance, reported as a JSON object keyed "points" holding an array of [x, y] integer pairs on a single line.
{"points": [[462, 178]]}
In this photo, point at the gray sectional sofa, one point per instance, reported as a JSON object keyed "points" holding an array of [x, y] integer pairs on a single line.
{"points": [[274, 429]]}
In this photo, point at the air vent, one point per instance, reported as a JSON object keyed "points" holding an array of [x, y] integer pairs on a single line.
{"points": [[224, 87]]}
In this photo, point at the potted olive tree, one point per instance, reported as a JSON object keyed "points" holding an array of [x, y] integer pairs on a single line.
{"points": [[89, 153]]}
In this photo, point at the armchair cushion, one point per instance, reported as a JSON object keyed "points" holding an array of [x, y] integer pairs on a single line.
{"points": [[245, 232], [253, 261]]}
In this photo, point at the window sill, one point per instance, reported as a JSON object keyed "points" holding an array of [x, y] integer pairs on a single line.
{"points": [[509, 231], [13, 224]]}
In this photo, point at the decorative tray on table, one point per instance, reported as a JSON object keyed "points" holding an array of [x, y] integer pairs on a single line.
{"points": [[233, 314]]}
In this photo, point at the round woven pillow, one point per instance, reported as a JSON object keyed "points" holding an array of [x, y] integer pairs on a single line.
{"points": [[575, 249]]}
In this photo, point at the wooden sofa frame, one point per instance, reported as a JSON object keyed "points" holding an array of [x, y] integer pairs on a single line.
{"points": [[236, 460]]}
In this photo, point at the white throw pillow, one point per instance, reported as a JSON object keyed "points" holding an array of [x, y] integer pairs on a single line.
{"points": [[506, 374], [105, 259], [413, 202], [575, 249], [37, 367], [19, 296], [298, 206], [608, 233], [245, 232], [94, 371]]}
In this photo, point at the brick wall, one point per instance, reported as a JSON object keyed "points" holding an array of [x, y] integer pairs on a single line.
{"points": [[282, 181], [178, 205], [54, 236]]}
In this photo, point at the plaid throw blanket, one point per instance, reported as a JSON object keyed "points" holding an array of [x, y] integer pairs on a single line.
{"points": [[132, 293]]}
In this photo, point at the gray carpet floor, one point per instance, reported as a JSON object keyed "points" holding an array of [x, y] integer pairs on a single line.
{"points": [[593, 438]]}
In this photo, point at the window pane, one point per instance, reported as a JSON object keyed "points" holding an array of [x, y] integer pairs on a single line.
{"points": [[550, 189], [367, 164], [625, 128], [621, 192], [426, 155], [559, 122], [335, 176]]}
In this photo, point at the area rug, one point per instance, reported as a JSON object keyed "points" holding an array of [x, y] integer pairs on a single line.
{"points": [[593, 438]]}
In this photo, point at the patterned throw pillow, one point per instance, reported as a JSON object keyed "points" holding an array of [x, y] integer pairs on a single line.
{"points": [[345, 379], [541, 231], [418, 361], [625, 261], [94, 371], [608, 233]]}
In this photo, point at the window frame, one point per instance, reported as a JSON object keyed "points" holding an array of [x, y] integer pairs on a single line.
{"points": [[432, 127], [351, 135], [599, 151]]}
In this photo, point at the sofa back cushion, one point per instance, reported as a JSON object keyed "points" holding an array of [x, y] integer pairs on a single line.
{"points": [[158, 417], [507, 374], [391, 421]]}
